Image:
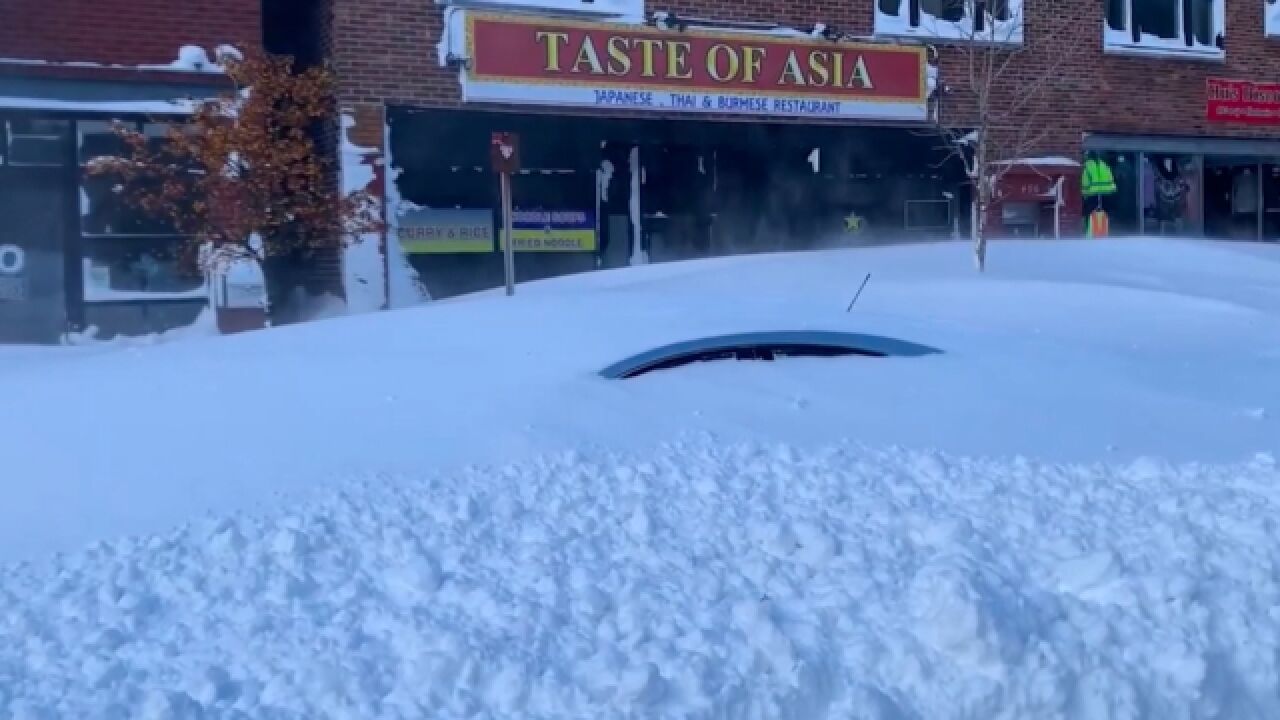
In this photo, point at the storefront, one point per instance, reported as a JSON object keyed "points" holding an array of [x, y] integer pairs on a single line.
{"points": [[73, 253], [648, 143], [1216, 187]]}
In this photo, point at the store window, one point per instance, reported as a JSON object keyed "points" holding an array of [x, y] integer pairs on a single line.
{"points": [[117, 269], [1123, 208], [1233, 197], [105, 209], [35, 142], [992, 20], [1171, 194], [128, 253], [1271, 202], [1166, 26]]}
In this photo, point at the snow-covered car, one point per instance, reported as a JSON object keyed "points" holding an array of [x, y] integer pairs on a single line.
{"points": [[1064, 508]]}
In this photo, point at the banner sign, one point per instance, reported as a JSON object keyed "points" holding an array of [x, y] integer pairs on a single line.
{"points": [[446, 230], [1242, 102], [553, 231], [557, 62]]}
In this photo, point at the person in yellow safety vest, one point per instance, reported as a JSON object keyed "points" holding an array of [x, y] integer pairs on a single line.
{"points": [[1099, 224], [1097, 178]]}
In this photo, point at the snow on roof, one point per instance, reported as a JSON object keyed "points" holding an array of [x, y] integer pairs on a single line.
{"points": [[189, 59], [630, 9]]}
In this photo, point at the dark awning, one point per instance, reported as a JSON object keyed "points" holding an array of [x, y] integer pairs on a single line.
{"points": [[1183, 145], [80, 95]]}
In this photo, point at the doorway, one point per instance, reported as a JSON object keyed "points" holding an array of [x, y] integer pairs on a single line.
{"points": [[1271, 202], [1232, 197], [32, 230]]}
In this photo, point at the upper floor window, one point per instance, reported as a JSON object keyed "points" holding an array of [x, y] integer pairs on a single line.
{"points": [[1271, 8], [998, 21], [1174, 27]]}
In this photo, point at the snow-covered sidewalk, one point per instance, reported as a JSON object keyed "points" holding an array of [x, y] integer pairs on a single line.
{"points": [[702, 581]]}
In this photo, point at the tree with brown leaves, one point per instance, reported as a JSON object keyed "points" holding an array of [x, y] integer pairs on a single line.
{"points": [[242, 176]]}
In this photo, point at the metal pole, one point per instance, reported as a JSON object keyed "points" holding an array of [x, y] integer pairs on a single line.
{"points": [[509, 251]]}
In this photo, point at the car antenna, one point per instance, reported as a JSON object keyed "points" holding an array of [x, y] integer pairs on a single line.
{"points": [[857, 295]]}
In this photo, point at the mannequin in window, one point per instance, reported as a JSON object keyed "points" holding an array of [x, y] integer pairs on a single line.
{"points": [[1171, 194]]}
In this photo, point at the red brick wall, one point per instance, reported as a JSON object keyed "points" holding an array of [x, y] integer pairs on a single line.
{"points": [[125, 32], [384, 52]]}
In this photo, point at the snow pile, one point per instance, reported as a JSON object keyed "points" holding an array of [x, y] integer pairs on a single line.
{"points": [[702, 580], [1149, 44], [204, 326], [617, 10], [1067, 352], [445, 512], [371, 280], [363, 269]]}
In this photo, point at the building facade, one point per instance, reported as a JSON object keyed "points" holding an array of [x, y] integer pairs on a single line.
{"points": [[681, 128], [73, 255]]}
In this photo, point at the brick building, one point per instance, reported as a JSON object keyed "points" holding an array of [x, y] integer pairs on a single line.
{"points": [[71, 254], [634, 154]]}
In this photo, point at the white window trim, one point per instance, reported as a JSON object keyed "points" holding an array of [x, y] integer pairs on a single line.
{"points": [[1120, 42], [1008, 32], [1271, 17]]}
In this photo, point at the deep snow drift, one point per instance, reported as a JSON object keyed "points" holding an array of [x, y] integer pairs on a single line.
{"points": [[478, 525], [1067, 351], [700, 581]]}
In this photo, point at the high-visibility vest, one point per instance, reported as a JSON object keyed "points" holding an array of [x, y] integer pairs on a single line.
{"points": [[1097, 179], [1099, 224]]}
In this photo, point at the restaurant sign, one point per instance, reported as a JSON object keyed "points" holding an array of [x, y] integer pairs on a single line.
{"points": [[424, 230], [553, 231], [1242, 102], [556, 62]]}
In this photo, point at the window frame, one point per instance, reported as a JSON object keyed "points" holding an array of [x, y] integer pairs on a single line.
{"points": [[1121, 42], [900, 25], [91, 293]]}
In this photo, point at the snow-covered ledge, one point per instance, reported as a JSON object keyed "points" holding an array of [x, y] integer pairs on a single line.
{"points": [[898, 24], [621, 9], [1116, 42], [189, 59]]}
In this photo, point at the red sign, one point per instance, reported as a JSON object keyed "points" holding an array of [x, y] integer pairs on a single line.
{"points": [[504, 152], [549, 61], [1242, 102]]}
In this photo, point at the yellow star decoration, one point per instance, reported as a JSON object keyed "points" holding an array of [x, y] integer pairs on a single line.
{"points": [[852, 223]]}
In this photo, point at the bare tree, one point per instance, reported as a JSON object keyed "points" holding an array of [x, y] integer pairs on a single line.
{"points": [[992, 83]]}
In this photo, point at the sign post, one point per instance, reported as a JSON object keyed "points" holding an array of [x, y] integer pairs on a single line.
{"points": [[504, 153]]}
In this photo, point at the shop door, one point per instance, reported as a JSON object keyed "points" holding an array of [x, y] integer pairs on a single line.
{"points": [[1271, 202], [1232, 195], [32, 291]]}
